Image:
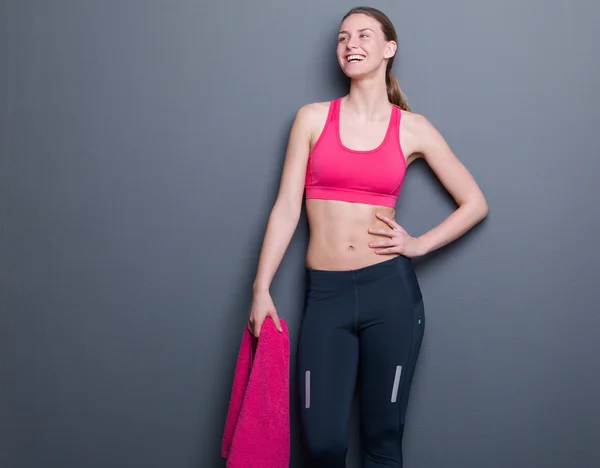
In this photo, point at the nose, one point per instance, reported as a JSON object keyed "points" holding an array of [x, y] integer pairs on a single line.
{"points": [[352, 43]]}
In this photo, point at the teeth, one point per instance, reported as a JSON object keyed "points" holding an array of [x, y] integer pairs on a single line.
{"points": [[352, 58]]}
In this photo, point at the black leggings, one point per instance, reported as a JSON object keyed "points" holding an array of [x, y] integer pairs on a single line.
{"points": [[366, 323]]}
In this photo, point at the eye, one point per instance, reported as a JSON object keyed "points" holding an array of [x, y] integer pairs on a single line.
{"points": [[364, 35], [341, 39]]}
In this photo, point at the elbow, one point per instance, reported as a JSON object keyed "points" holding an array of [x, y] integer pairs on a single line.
{"points": [[482, 209], [477, 208], [288, 208]]}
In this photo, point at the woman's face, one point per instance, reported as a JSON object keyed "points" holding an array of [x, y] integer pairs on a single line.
{"points": [[362, 47]]}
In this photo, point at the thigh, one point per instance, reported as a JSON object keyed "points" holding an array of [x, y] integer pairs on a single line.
{"points": [[390, 340], [327, 362]]}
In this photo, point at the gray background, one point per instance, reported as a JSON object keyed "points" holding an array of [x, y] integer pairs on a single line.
{"points": [[142, 143]]}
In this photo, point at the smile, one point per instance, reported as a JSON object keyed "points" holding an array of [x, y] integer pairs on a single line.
{"points": [[355, 58]]}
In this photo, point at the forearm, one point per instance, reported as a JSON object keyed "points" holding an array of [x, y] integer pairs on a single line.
{"points": [[280, 229], [460, 221]]}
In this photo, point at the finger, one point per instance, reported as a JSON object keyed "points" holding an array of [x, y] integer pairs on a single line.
{"points": [[382, 232], [275, 318], [389, 250], [258, 327], [390, 221], [381, 244]]}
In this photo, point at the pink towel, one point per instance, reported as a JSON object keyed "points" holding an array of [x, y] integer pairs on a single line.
{"points": [[257, 428]]}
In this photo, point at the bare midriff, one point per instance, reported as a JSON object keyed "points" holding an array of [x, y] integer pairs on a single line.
{"points": [[339, 236]]}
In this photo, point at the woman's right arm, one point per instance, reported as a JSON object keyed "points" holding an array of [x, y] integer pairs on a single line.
{"points": [[283, 220]]}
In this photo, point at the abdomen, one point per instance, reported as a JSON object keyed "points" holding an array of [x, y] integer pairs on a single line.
{"points": [[339, 237]]}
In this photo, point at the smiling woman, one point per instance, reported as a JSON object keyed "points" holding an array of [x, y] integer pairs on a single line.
{"points": [[364, 312]]}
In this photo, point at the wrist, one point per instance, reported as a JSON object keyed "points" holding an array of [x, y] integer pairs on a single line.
{"points": [[424, 247], [258, 288]]}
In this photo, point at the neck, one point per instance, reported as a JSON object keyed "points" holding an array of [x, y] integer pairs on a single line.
{"points": [[368, 98]]}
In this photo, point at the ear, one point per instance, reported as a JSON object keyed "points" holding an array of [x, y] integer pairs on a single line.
{"points": [[390, 50]]}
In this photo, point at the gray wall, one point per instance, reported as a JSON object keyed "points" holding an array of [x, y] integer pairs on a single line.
{"points": [[142, 143]]}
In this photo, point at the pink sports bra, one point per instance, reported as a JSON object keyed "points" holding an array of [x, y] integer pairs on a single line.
{"points": [[335, 172]]}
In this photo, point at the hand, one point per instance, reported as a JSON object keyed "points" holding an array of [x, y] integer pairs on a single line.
{"points": [[262, 306], [398, 240]]}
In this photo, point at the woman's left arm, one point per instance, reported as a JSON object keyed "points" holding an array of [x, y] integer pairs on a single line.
{"points": [[456, 179]]}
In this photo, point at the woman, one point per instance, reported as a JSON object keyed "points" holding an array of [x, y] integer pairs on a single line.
{"points": [[364, 318]]}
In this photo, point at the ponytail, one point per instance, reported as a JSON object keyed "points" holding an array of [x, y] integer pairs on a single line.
{"points": [[395, 94]]}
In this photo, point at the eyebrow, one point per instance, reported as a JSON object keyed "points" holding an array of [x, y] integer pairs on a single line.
{"points": [[360, 30]]}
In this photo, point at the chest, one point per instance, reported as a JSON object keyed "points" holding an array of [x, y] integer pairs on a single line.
{"points": [[362, 136]]}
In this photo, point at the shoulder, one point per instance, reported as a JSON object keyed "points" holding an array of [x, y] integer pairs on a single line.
{"points": [[311, 119], [414, 123], [313, 112], [420, 128], [418, 135]]}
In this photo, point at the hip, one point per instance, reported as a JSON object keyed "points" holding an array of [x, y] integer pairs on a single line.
{"points": [[388, 277]]}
